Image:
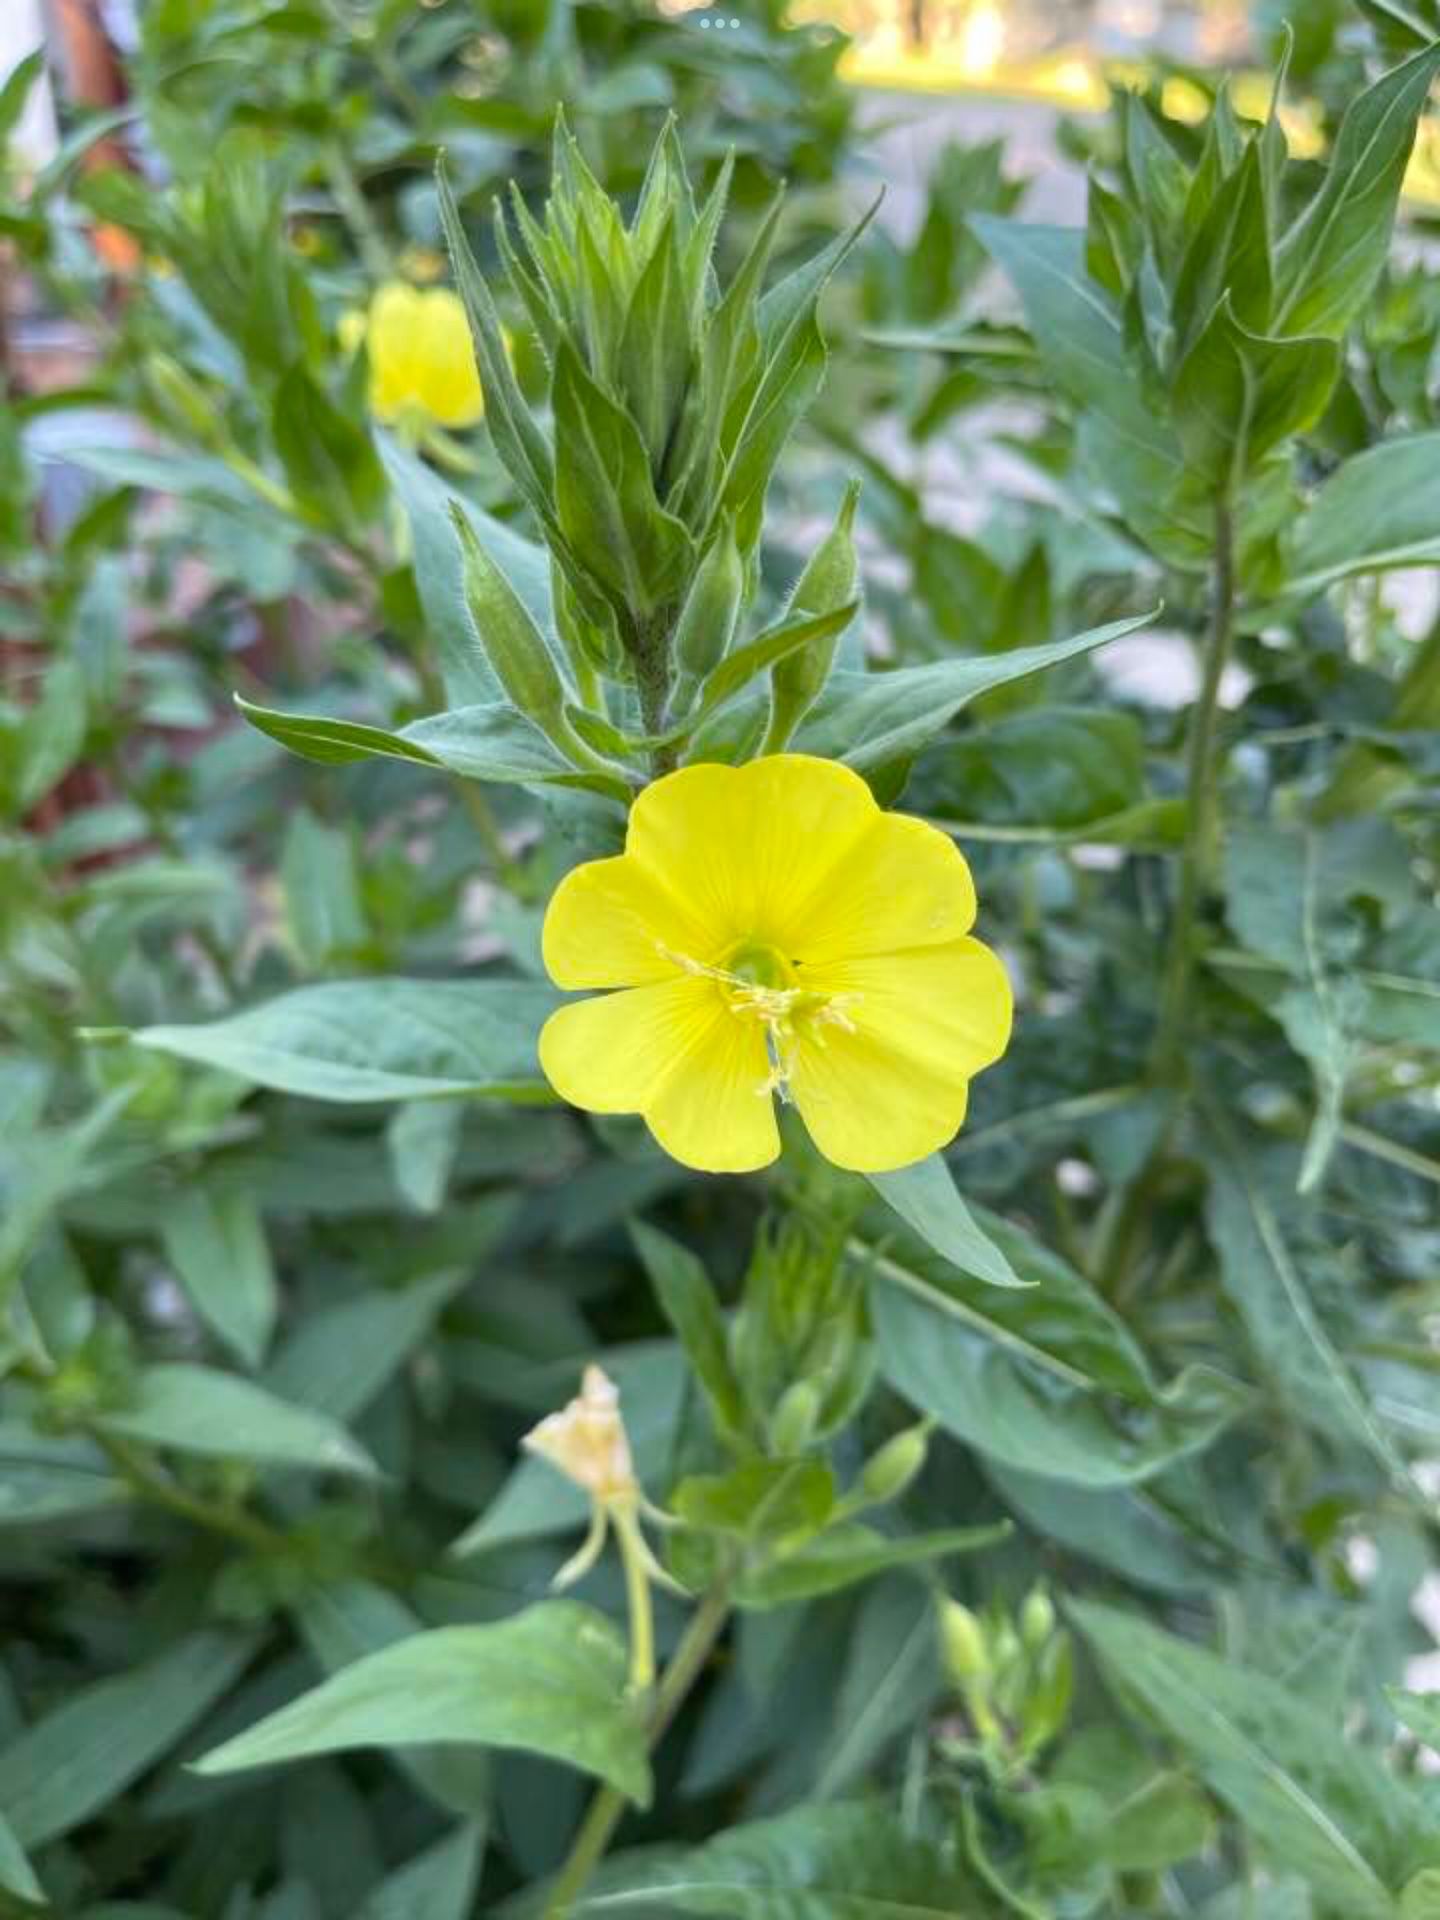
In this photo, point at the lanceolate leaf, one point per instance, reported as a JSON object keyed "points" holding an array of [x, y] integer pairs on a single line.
{"points": [[1321, 1807], [1377, 511], [380, 1040], [866, 719], [1327, 262], [203, 1411], [72, 1762], [926, 1198], [551, 1680], [817, 1863], [1044, 1378]]}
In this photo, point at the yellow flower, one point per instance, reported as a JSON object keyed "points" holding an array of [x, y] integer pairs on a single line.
{"points": [[421, 358], [773, 931]]}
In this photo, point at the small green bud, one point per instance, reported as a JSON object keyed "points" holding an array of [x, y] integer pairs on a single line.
{"points": [[1037, 1619], [887, 1474], [708, 618], [509, 638], [793, 1424], [962, 1645], [1046, 1706], [828, 583]]}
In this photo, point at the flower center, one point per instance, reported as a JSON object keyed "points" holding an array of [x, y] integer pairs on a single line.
{"points": [[759, 983]]}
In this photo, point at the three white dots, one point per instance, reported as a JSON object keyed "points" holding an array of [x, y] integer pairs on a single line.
{"points": [[719, 24]]}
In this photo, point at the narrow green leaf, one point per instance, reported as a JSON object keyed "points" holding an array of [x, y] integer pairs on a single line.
{"points": [[215, 1240], [867, 719], [380, 1040], [926, 1198], [78, 1758], [550, 1680], [218, 1415]]}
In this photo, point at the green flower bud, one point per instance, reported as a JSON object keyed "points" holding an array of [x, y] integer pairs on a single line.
{"points": [[828, 583], [887, 1474], [793, 1424], [962, 1645], [707, 620], [509, 638], [1037, 1619], [1046, 1706]]}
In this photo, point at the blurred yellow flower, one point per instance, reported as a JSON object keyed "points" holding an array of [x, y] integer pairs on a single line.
{"points": [[421, 358], [772, 931]]}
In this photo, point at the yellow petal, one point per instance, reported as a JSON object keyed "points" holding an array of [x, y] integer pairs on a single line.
{"points": [[715, 1112], [894, 1089], [449, 385], [675, 1053], [903, 884], [748, 846], [611, 924]]}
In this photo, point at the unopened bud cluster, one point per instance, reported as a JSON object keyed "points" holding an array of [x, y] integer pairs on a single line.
{"points": [[1013, 1674]]}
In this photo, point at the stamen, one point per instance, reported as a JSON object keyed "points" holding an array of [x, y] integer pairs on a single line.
{"points": [[780, 1010]]}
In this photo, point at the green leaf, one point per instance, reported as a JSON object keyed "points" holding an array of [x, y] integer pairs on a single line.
{"points": [[327, 457], [846, 1554], [1320, 1806], [424, 1140], [1164, 1821], [380, 1040], [17, 1876], [73, 1762], [816, 1863], [217, 1415], [339, 1359], [1238, 395], [550, 1680], [1327, 262], [343, 1622], [926, 1198], [52, 1477], [637, 553], [867, 719], [332, 742], [215, 1239], [1420, 1712], [1264, 1279], [438, 1884], [1377, 511], [1045, 1378], [429, 503], [322, 890], [687, 1299]]}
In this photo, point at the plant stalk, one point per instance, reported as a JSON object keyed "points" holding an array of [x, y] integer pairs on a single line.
{"points": [[1202, 782], [605, 1811]]}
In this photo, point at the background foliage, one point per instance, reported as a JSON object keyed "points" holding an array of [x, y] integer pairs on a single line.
{"points": [[1086, 1597]]}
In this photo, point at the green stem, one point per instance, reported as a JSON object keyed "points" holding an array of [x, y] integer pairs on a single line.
{"points": [[151, 1484], [355, 211], [606, 1809], [1202, 780]]}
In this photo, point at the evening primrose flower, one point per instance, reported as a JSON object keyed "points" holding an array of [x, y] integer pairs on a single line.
{"points": [[422, 363], [770, 931]]}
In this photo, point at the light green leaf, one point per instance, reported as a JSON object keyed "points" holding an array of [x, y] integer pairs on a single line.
{"points": [[1263, 1278], [926, 1198], [340, 1358], [214, 1238], [380, 1040], [74, 1761], [846, 1554], [818, 1863], [1377, 511], [1327, 261], [1420, 1712], [17, 1876], [866, 719], [438, 1884], [551, 1680], [218, 1415], [1320, 1806], [1044, 1378]]}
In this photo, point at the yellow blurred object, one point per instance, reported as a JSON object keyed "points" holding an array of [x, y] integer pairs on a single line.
{"points": [[421, 358]]}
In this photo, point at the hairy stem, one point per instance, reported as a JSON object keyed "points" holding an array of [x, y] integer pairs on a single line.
{"points": [[1202, 782], [605, 1811]]}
